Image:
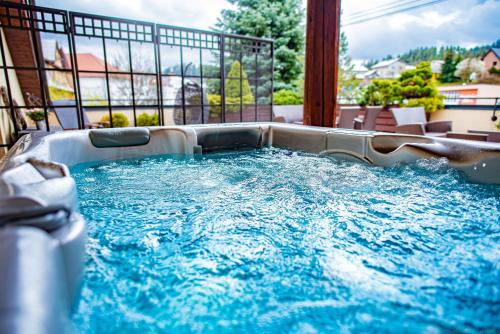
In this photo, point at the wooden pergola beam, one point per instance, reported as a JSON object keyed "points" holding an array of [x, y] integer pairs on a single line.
{"points": [[322, 58]]}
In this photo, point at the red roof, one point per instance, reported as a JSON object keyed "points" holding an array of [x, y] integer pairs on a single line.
{"points": [[496, 52], [90, 62]]}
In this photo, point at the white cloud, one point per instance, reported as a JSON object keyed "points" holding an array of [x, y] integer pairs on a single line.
{"points": [[201, 14], [458, 22], [454, 22], [430, 19]]}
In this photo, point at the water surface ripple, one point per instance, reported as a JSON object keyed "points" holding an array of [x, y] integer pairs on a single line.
{"points": [[272, 241]]}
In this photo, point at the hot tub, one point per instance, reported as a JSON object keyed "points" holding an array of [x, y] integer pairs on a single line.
{"points": [[248, 227]]}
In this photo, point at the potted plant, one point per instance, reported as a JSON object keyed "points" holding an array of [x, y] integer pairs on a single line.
{"points": [[38, 117]]}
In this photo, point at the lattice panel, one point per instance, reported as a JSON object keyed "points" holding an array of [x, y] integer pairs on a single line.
{"points": [[97, 26], [44, 19], [236, 44], [180, 37]]}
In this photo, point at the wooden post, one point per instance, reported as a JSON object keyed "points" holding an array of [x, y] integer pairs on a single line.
{"points": [[322, 58]]}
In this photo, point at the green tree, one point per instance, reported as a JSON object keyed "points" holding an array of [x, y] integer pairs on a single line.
{"points": [[449, 68], [237, 91], [348, 85], [344, 59], [414, 88], [418, 82], [233, 87], [381, 93], [415, 56], [418, 88], [280, 20]]}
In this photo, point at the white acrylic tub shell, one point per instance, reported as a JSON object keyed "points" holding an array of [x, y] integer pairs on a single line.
{"points": [[35, 177]]}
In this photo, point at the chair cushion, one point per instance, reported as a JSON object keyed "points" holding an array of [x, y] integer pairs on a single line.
{"points": [[409, 115]]}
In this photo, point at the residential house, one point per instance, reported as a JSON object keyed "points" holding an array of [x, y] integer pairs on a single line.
{"points": [[492, 59], [436, 68], [359, 70], [91, 75], [387, 69], [93, 80], [59, 76]]}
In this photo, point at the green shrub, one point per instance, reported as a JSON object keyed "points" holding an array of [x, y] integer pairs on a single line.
{"points": [[414, 88], [287, 97], [232, 103], [214, 101], [148, 120], [119, 120], [380, 93], [430, 104], [498, 125], [418, 89], [36, 116]]}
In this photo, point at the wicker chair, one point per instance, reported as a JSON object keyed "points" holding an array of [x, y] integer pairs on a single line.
{"points": [[347, 116], [369, 121], [413, 121]]}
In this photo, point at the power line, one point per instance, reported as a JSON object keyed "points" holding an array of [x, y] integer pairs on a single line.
{"points": [[389, 13], [381, 8]]}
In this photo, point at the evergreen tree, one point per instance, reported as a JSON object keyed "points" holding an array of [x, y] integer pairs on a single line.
{"points": [[449, 68], [414, 88], [344, 59], [237, 92], [347, 83], [371, 62], [420, 54], [280, 20], [232, 86], [417, 88]]}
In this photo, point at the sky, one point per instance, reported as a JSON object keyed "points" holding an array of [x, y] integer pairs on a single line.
{"points": [[454, 22]]}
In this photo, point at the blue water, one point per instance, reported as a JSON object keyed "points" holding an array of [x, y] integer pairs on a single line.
{"points": [[272, 241]]}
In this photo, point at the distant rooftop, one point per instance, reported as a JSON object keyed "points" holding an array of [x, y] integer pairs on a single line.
{"points": [[496, 51], [385, 63], [90, 62]]}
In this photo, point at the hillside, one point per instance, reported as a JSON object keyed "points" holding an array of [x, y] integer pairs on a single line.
{"points": [[418, 55]]}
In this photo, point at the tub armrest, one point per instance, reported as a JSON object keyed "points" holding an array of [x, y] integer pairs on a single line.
{"points": [[411, 129], [438, 126]]}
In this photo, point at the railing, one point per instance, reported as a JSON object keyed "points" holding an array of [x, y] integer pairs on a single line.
{"points": [[453, 102], [84, 66], [471, 102], [474, 103]]}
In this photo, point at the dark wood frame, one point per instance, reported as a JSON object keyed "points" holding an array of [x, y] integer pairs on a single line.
{"points": [[322, 58]]}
